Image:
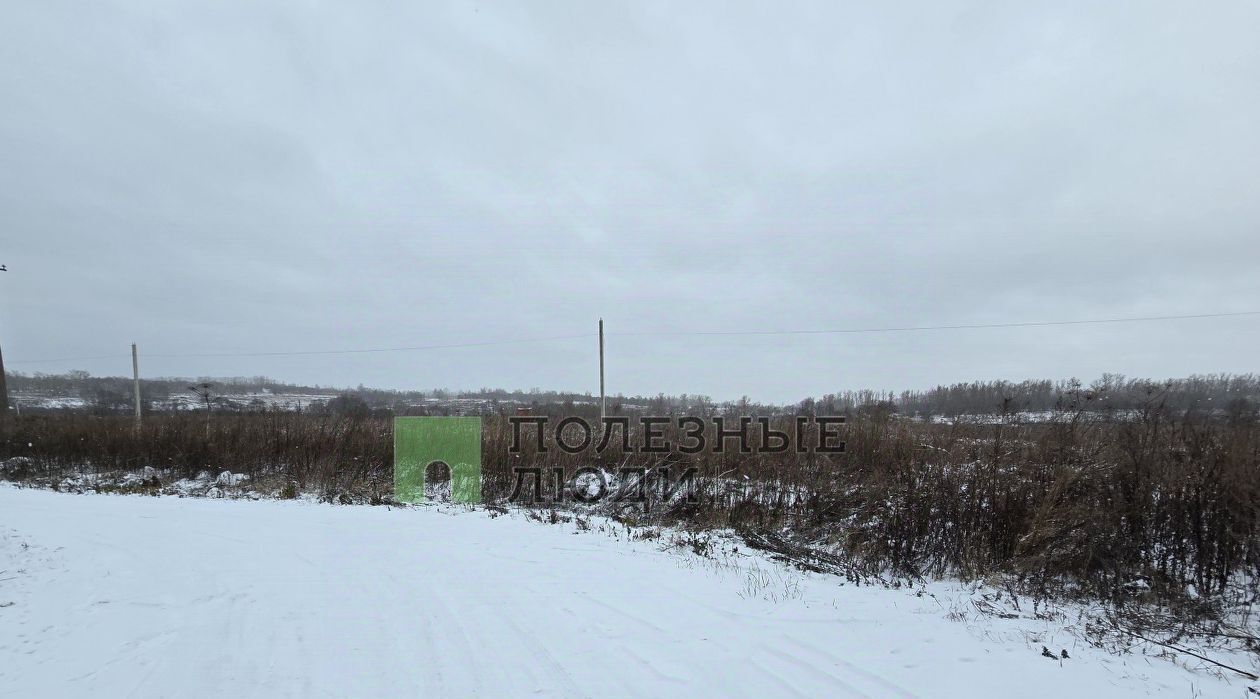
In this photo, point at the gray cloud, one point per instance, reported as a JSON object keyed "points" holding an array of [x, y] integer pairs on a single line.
{"points": [[222, 177]]}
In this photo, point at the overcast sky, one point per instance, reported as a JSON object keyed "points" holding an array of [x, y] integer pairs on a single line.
{"points": [[229, 177]]}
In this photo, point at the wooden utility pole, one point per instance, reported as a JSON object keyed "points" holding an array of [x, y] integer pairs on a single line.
{"points": [[603, 406], [135, 373], [203, 390]]}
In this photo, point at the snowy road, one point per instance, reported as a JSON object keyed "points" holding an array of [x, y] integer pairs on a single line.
{"points": [[135, 596]]}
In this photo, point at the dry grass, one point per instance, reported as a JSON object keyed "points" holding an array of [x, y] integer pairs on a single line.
{"points": [[1158, 505]]}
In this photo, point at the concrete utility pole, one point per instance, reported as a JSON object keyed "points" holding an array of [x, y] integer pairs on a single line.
{"points": [[603, 406], [4, 387], [4, 391], [135, 372]]}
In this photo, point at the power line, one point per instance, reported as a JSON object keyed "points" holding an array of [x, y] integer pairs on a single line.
{"points": [[909, 328], [417, 348], [69, 359], [660, 333]]}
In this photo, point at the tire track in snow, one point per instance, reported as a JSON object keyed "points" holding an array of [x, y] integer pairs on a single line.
{"points": [[885, 685]]}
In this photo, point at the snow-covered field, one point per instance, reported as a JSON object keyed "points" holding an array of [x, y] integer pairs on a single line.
{"points": [[111, 596]]}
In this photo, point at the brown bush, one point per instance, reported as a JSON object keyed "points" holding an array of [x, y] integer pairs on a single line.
{"points": [[1155, 500]]}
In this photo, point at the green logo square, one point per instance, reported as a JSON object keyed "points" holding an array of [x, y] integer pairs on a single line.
{"points": [[422, 441]]}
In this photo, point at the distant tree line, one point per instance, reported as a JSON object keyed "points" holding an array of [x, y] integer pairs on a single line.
{"points": [[1220, 393], [1214, 393]]}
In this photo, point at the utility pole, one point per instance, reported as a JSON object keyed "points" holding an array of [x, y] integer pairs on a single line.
{"points": [[603, 406], [204, 391], [4, 387], [4, 391], [135, 372]]}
